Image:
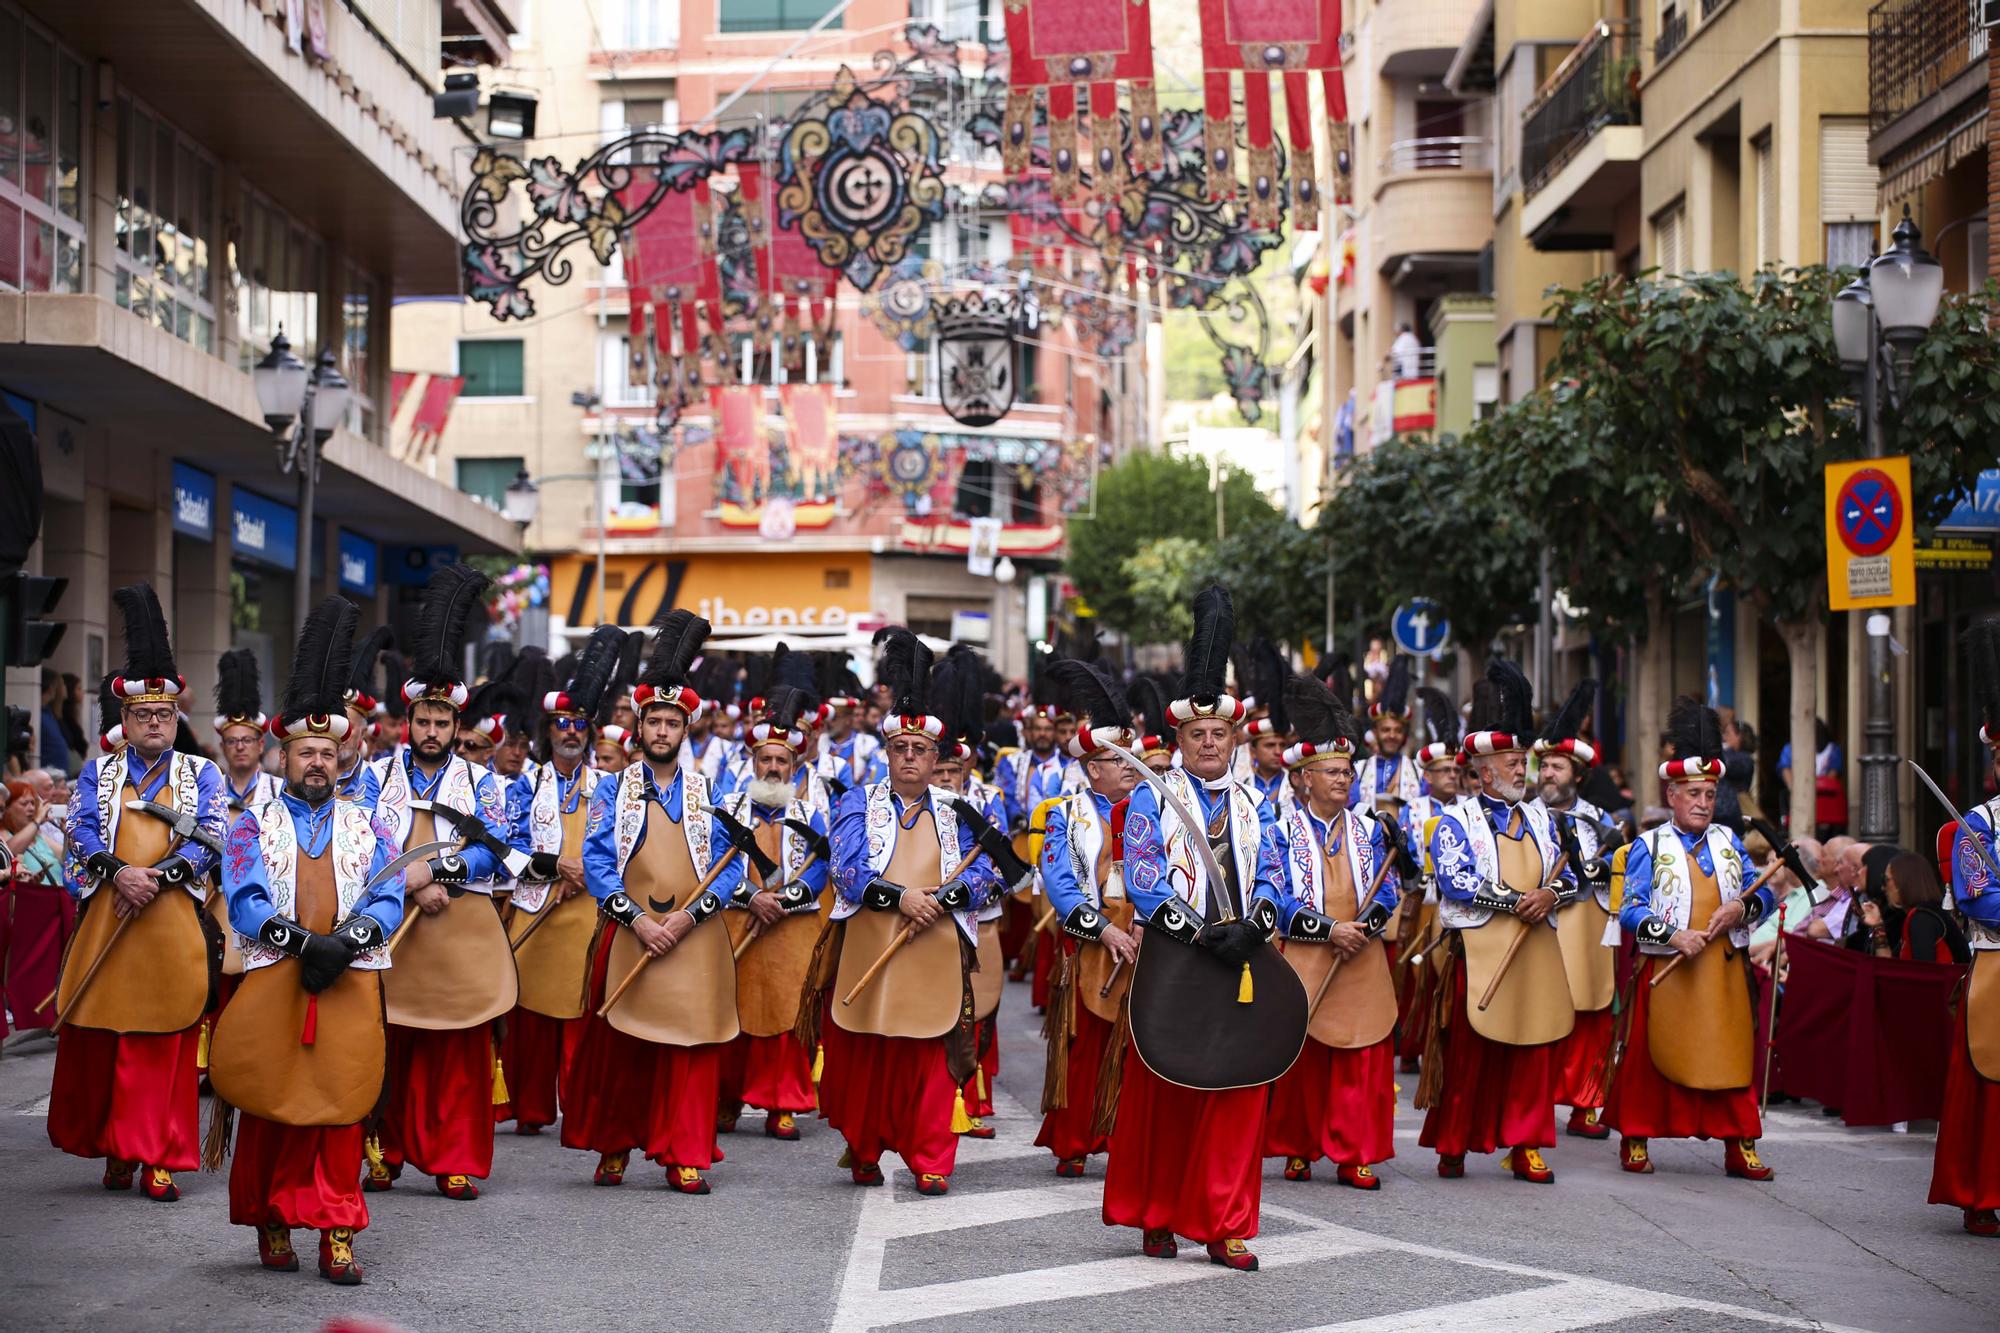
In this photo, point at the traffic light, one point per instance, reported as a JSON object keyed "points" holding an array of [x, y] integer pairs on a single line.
{"points": [[26, 638], [20, 732]]}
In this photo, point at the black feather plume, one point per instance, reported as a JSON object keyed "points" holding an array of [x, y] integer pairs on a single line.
{"points": [[1267, 680], [759, 677], [629, 656], [677, 638], [793, 668], [905, 667], [149, 654], [454, 594], [1503, 701], [594, 665], [1207, 656], [1089, 691], [1150, 705], [238, 693], [322, 662], [533, 677], [1568, 720], [395, 670], [1318, 714], [1440, 717], [366, 654], [965, 706], [1982, 659], [1693, 729], [1395, 697], [1338, 673], [109, 707]]}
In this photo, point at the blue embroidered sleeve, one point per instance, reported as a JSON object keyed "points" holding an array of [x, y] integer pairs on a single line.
{"points": [[875, 770], [480, 863], [1059, 884], [816, 874], [730, 878], [1389, 893], [850, 845], [1006, 776], [600, 841], [1635, 907], [1972, 879], [244, 887], [1457, 871], [520, 799], [384, 902], [1269, 882], [82, 838], [982, 877], [212, 811], [1147, 882]]}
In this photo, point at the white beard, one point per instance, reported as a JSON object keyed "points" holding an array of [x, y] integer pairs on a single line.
{"points": [[772, 795]]}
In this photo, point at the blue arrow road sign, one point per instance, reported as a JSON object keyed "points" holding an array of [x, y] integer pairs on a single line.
{"points": [[1420, 627]]}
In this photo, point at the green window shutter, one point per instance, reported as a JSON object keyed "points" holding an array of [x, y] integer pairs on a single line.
{"points": [[492, 368], [773, 15], [487, 478]]}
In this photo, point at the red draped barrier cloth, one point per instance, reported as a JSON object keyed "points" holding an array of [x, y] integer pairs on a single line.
{"points": [[35, 925], [1867, 1035]]}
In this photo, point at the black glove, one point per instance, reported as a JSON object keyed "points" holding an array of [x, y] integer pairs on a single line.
{"points": [[542, 865], [322, 960], [1231, 941]]}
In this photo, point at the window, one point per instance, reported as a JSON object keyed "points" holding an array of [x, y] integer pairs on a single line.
{"points": [[41, 166], [357, 308], [1670, 240], [614, 373], [277, 269], [166, 227], [773, 15], [1766, 163], [1847, 205], [488, 478], [962, 20], [640, 25], [492, 368]]}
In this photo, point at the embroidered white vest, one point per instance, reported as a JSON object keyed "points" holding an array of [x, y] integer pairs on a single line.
{"points": [[1407, 786], [793, 853], [352, 846], [1086, 840], [1306, 866], [1672, 898], [545, 825], [458, 787], [1181, 854], [182, 792], [848, 771], [1471, 816], [629, 817], [882, 833]]}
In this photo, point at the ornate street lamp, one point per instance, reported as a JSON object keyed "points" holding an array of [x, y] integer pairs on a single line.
{"points": [[294, 403]]}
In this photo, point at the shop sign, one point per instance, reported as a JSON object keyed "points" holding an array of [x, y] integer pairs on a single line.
{"points": [[194, 503], [357, 564], [264, 530]]}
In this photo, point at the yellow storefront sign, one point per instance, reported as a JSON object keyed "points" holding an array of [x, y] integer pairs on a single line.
{"points": [[738, 591]]}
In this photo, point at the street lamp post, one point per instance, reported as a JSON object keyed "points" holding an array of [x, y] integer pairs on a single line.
{"points": [[293, 403], [1878, 320]]}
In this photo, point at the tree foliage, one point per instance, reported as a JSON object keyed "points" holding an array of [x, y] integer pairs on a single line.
{"points": [[1156, 579], [1145, 496]]}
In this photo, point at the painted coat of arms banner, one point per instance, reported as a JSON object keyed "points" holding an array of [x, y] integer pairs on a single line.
{"points": [[1065, 46], [1259, 38]]}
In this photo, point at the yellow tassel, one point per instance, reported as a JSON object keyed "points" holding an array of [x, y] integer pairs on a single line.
{"points": [[371, 1148], [979, 1080], [1243, 987], [499, 1082], [819, 1061], [961, 1123], [201, 1047]]}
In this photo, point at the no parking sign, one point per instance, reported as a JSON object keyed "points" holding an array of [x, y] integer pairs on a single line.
{"points": [[1870, 553]]}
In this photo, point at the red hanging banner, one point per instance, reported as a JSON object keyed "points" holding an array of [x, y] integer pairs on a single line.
{"points": [[1260, 38], [1088, 46], [790, 276], [671, 275]]}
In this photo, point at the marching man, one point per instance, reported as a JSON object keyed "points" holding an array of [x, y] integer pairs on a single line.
{"points": [[1966, 1171], [911, 883], [454, 972], [1690, 1052], [960, 701], [239, 726], [848, 757], [300, 1050], [135, 980], [1081, 877], [1591, 964], [1417, 931], [1503, 999], [774, 926], [552, 955], [662, 986], [1338, 1101], [1388, 775]]}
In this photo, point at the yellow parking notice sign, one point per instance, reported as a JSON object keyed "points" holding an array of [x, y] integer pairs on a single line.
{"points": [[1870, 550]]}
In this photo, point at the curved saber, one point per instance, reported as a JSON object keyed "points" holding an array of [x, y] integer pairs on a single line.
{"points": [[1197, 831], [1985, 852]]}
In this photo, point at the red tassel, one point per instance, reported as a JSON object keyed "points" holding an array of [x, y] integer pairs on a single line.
{"points": [[311, 1029]]}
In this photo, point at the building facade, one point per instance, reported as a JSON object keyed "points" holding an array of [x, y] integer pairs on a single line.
{"points": [[783, 526], [155, 236]]}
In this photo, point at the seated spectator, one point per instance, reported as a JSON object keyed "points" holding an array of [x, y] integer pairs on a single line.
{"points": [[1795, 900], [21, 828], [1921, 929], [1842, 866]]}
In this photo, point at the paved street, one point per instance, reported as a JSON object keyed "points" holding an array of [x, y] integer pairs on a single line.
{"points": [[1842, 1239]]}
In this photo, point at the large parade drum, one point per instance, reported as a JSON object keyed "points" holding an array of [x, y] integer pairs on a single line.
{"points": [[1191, 1026]]}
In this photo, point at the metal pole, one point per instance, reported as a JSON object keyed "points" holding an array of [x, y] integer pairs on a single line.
{"points": [[307, 454], [1545, 629], [603, 521], [1879, 820]]}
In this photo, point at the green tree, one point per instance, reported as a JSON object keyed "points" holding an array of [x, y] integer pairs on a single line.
{"points": [[1156, 578], [1276, 573], [1145, 496]]}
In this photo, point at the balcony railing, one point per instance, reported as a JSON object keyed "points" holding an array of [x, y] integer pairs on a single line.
{"points": [[1456, 152], [1420, 364], [1916, 47], [1673, 31], [1595, 86]]}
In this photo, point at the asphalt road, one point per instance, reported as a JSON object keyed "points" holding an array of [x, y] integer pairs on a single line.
{"points": [[1841, 1239]]}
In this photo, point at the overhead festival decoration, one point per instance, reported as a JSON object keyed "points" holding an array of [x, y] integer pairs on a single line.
{"points": [[735, 240], [975, 342], [1259, 39]]}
